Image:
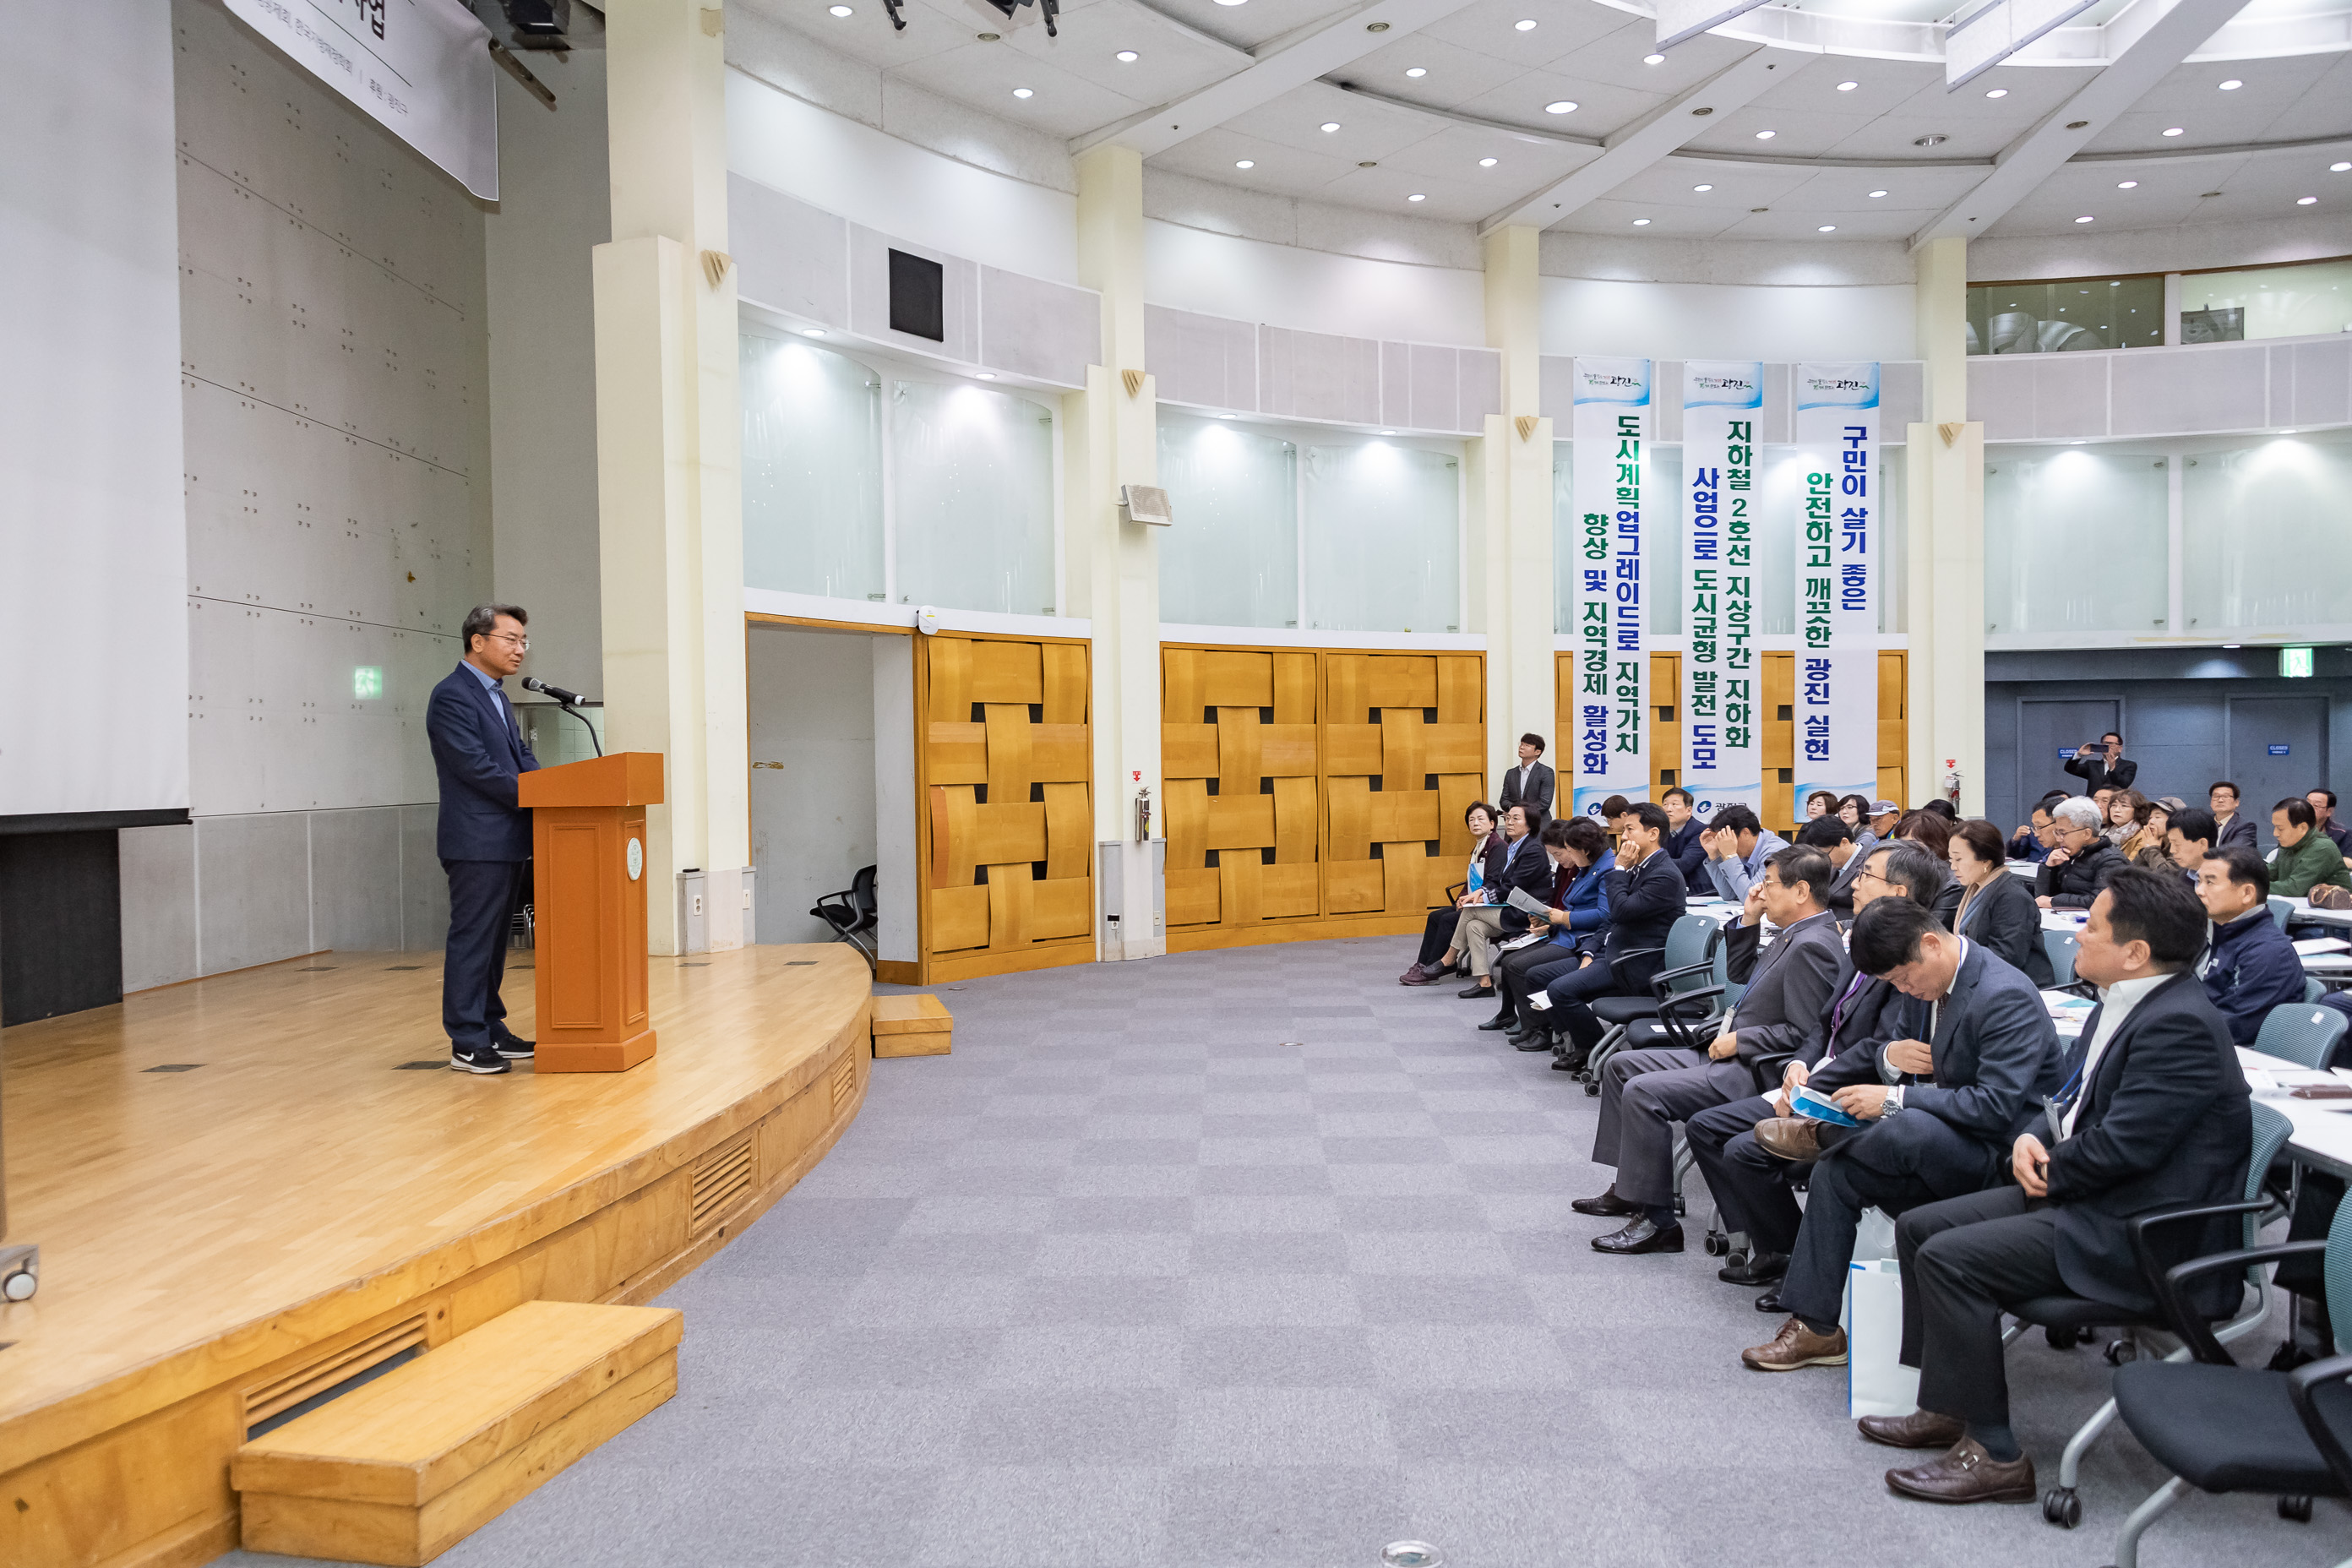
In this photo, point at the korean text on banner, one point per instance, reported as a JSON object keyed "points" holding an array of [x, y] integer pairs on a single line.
{"points": [[421, 68], [1838, 543], [1610, 425], [1722, 761]]}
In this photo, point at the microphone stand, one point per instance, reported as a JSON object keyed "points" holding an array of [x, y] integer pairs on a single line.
{"points": [[583, 718]]}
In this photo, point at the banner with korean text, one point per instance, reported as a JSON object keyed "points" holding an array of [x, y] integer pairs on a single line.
{"points": [[1610, 425], [1722, 763], [1838, 544]]}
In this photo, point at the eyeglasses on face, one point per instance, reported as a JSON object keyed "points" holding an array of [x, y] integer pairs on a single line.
{"points": [[521, 643]]}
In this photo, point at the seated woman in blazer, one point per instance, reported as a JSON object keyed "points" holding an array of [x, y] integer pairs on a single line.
{"points": [[1997, 908]]}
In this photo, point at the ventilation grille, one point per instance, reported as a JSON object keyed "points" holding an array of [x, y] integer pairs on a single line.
{"points": [[291, 1388], [720, 1178], [845, 1083]]}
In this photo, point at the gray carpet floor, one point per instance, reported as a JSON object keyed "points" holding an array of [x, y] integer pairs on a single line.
{"points": [[1256, 1257]]}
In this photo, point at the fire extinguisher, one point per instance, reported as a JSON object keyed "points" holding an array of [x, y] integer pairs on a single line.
{"points": [[1952, 779]]}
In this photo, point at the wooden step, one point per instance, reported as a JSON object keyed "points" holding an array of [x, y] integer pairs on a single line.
{"points": [[401, 1469], [912, 1026]]}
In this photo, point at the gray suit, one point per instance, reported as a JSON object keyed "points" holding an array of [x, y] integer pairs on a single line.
{"points": [[1995, 1052], [1643, 1093]]}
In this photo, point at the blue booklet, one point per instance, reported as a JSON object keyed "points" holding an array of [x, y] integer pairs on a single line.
{"points": [[1816, 1107]]}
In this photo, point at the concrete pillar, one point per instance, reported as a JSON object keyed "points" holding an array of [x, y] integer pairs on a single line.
{"points": [[668, 455], [1944, 583], [1510, 521], [1112, 567]]}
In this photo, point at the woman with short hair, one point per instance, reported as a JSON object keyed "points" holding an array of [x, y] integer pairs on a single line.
{"points": [[1478, 884], [1997, 908]]}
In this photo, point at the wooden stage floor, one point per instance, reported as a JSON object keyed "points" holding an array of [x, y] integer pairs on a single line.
{"points": [[238, 1190]]}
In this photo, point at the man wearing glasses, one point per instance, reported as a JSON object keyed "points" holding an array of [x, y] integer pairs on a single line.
{"points": [[484, 833], [2081, 862]]}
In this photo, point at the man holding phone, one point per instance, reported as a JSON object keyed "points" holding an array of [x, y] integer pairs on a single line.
{"points": [[2101, 764]]}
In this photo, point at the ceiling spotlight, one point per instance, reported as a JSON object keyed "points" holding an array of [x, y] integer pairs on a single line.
{"points": [[2085, 218], [988, 37], [1561, 106], [1417, 72], [1848, 86], [1416, 197], [2304, 201], [840, 10], [1932, 138], [2128, 184], [1654, 59], [1368, 163], [2233, 85], [2173, 131], [1765, 135], [1485, 162], [1524, 25], [1826, 228], [1998, 92], [1127, 56], [1702, 188], [1023, 92], [1641, 223], [1246, 163], [1875, 194], [812, 332], [1330, 126], [2338, 168], [1231, 2]]}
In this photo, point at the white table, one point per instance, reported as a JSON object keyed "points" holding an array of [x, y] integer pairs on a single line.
{"points": [[2304, 914], [2025, 868]]}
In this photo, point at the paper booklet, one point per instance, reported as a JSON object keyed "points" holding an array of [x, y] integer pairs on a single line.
{"points": [[1817, 1107], [1528, 904]]}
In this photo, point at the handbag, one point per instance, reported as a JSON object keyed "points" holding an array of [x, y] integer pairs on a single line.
{"points": [[2328, 896]]}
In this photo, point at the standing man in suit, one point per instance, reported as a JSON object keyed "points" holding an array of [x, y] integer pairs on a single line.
{"points": [[2152, 1114], [1529, 783], [484, 833], [1991, 1050], [2230, 826], [1643, 1093], [2103, 765]]}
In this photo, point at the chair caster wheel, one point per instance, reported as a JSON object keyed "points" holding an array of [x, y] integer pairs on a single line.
{"points": [[1716, 1246], [2062, 1507], [1680, 1207], [2298, 1508], [2118, 1352], [1592, 1086], [1737, 1259], [2063, 1338]]}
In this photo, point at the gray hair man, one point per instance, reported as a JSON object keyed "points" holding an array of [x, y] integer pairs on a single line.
{"points": [[2081, 861]]}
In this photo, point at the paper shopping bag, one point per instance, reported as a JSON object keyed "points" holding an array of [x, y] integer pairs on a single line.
{"points": [[1876, 1383]]}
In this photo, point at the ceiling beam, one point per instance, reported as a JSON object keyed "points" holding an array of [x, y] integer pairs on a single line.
{"points": [[2144, 44], [1666, 128], [1275, 67], [1680, 19], [1984, 38]]}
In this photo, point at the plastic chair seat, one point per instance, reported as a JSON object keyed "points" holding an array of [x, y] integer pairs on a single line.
{"points": [[2230, 1430], [2082, 1312], [1615, 1010]]}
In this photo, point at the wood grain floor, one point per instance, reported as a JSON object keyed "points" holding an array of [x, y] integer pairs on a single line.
{"points": [[293, 1159]]}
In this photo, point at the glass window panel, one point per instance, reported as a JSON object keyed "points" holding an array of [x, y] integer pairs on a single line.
{"points": [[2075, 540], [2266, 533], [1384, 524], [812, 470], [2266, 302], [1232, 559], [2067, 314], [972, 494]]}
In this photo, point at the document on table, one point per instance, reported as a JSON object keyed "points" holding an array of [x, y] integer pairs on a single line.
{"points": [[2323, 944]]}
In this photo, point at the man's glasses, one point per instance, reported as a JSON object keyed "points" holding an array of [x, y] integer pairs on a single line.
{"points": [[521, 643]]}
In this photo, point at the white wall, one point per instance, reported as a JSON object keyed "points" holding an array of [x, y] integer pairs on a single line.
{"points": [[1706, 321], [556, 205], [94, 556], [813, 797], [1312, 290], [871, 178]]}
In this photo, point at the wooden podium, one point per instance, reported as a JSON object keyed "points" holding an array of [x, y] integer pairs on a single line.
{"points": [[588, 846]]}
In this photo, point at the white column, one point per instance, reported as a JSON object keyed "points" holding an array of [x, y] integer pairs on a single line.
{"points": [[1943, 581], [1510, 516]]}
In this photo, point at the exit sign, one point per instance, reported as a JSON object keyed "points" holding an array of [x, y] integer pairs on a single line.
{"points": [[2294, 661], [367, 681]]}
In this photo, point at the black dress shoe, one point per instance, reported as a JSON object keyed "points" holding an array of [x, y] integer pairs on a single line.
{"points": [[1472, 993], [1639, 1236], [1534, 1040], [1770, 1301], [1761, 1268], [1568, 1064], [1608, 1205], [1501, 1021]]}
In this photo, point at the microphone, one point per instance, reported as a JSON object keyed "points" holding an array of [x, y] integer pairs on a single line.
{"points": [[533, 683]]}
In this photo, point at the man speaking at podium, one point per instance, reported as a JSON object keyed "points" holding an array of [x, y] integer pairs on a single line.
{"points": [[484, 836]]}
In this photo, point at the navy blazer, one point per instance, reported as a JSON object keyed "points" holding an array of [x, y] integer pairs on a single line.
{"points": [[1996, 1051], [1643, 905], [479, 757]]}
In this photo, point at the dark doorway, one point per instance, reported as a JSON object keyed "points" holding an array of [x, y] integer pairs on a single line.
{"points": [[2278, 748], [2048, 732]]}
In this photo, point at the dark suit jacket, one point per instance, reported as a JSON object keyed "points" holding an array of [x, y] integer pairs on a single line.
{"points": [[2096, 775], [2004, 916], [2164, 1124], [1688, 853], [1531, 869], [1789, 985], [1875, 1014], [2240, 830], [1841, 893], [1996, 1052], [1643, 904], [1540, 787], [2083, 876], [478, 754]]}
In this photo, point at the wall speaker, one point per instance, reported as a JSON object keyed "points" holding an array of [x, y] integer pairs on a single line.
{"points": [[917, 297]]}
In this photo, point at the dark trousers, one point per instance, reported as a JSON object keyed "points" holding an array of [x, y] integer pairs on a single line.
{"points": [[481, 905], [1522, 974], [1571, 998], [1642, 1095], [1909, 1159], [1964, 1261], [1750, 1187], [1437, 934]]}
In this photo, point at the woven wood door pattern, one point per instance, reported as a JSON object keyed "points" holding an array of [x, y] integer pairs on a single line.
{"points": [[1237, 751], [1007, 752], [1403, 757]]}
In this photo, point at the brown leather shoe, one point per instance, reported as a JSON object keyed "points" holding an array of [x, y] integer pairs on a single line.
{"points": [[1418, 974], [1968, 1474], [1794, 1138], [1921, 1429], [1794, 1346]]}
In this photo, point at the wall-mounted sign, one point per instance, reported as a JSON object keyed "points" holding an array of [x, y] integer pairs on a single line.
{"points": [[367, 681], [2294, 662], [2278, 751]]}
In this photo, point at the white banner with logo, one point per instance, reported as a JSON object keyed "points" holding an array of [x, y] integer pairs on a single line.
{"points": [[1838, 542], [1722, 761], [421, 68], [1610, 425]]}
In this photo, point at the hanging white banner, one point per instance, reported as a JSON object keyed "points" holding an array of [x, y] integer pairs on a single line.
{"points": [[1837, 581], [421, 68], [1610, 425], [1722, 764]]}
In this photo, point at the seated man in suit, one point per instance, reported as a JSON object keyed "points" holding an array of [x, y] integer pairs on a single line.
{"points": [[1834, 838], [2189, 836], [2249, 966], [1483, 925], [1645, 1092], [1751, 1183], [1683, 830], [1646, 896], [2230, 826], [1991, 1050], [1529, 783], [1577, 909], [2152, 1114]]}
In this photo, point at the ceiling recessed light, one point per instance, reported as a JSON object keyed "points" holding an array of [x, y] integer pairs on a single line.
{"points": [[1330, 126], [1702, 187], [1765, 135], [1416, 197], [812, 332], [2338, 168], [1875, 194], [988, 375], [1417, 72], [1848, 86], [1246, 163], [1932, 138], [1524, 25], [1485, 162], [1127, 56], [2304, 201], [1230, 2], [1561, 106], [1997, 92], [2085, 218], [1023, 92], [1826, 228], [988, 37], [840, 10], [2233, 85], [1654, 59], [1641, 223], [2173, 130], [2128, 184], [1388, 432]]}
